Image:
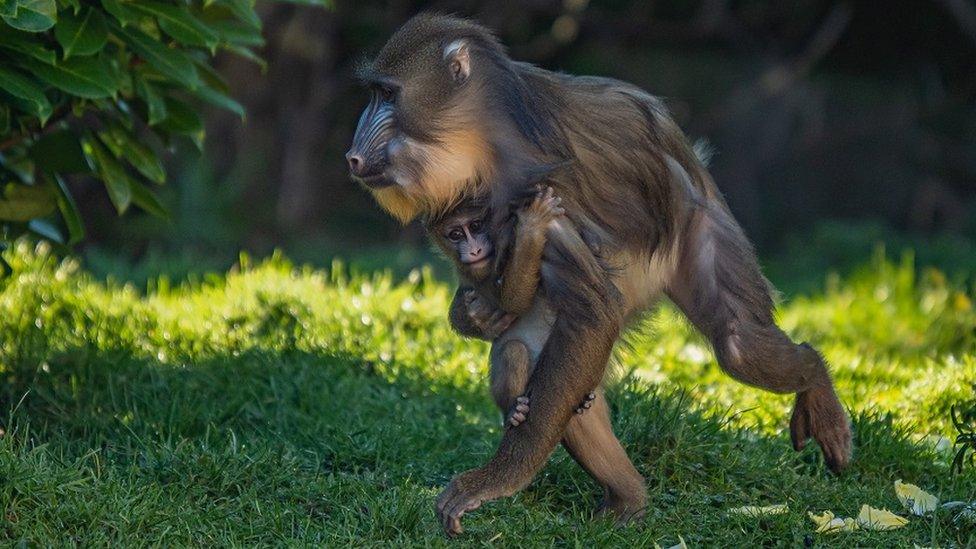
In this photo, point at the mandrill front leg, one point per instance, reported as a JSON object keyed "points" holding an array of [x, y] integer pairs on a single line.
{"points": [[520, 411], [570, 367]]}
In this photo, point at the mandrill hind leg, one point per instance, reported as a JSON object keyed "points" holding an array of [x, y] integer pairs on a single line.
{"points": [[719, 287], [589, 439]]}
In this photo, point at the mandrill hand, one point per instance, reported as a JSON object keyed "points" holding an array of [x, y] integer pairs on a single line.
{"points": [[490, 320], [543, 210], [465, 493]]}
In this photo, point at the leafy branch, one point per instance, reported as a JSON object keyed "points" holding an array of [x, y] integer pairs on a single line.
{"points": [[98, 88]]}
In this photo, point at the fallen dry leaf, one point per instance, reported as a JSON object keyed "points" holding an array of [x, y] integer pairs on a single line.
{"points": [[871, 518], [827, 523], [915, 499]]}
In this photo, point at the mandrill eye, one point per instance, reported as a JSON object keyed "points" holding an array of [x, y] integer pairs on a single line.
{"points": [[388, 94], [455, 236], [476, 226]]}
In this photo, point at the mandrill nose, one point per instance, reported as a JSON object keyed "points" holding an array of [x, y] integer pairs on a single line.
{"points": [[356, 164]]}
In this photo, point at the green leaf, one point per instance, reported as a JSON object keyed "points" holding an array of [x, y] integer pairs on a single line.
{"points": [[125, 146], [148, 201], [8, 8], [82, 34], [246, 53], [121, 12], [154, 101], [178, 23], [60, 152], [219, 99], [89, 77], [215, 90], [46, 230], [117, 182], [73, 4], [237, 33], [26, 89], [171, 62], [243, 10], [210, 77], [22, 203], [33, 15], [183, 120], [26, 43], [68, 208], [20, 165]]}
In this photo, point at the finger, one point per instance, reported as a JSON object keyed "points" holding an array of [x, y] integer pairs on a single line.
{"points": [[452, 525], [460, 506], [522, 400], [505, 322], [522, 408]]}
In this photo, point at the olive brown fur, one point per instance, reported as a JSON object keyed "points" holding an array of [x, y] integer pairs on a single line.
{"points": [[452, 115]]}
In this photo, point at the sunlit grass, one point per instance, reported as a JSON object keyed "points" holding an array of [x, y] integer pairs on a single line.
{"points": [[280, 404]]}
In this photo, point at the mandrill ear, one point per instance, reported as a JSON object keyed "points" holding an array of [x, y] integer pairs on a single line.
{"points": [[458, 57]]}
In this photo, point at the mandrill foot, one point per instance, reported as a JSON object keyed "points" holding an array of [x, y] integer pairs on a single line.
{"points": [[818, 414]]}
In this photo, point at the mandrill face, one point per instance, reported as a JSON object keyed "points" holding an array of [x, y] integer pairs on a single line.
{"points": [[416, 147]]}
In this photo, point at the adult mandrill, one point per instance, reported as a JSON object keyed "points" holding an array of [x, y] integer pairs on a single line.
{"points": [[451, 114]]}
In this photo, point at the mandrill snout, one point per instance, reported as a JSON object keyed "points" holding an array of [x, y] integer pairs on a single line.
{"points": [[370, 169], [356, 163]]}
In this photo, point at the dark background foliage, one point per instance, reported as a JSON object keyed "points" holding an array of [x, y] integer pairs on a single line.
{"points": [[818, 110]]}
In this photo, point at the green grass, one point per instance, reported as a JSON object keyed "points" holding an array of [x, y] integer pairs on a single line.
{"points": [[284, 405]]}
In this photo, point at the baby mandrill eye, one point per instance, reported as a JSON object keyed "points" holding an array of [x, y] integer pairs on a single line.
{"points": [[455, 236], [476, 226]]}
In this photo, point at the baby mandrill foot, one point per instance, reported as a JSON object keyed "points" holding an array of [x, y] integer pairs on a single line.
{"points": [[587, 402], [519, 412]]}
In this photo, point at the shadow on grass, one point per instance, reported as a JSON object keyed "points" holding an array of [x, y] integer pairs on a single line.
{"points": [[356, 452]]}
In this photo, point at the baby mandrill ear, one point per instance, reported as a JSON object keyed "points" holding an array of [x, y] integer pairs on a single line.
{"points": [[458, 57]]}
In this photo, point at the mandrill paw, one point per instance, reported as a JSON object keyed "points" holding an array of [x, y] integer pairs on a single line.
{"points": [[586, 404], [488, 319], [465, 493], [544, 209], [519, 412], [818, 414]]}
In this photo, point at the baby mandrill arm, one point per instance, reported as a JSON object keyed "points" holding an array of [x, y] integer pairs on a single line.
{"points": [[520, 279]]}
